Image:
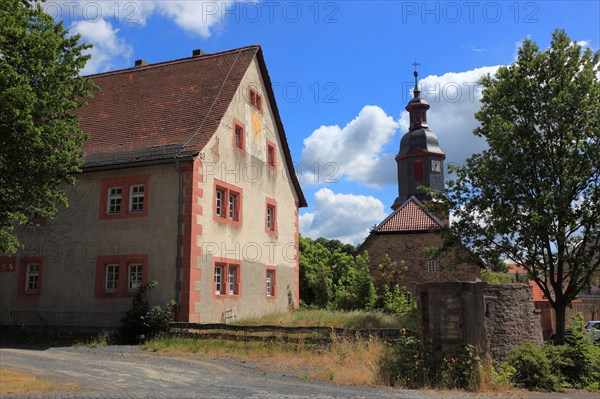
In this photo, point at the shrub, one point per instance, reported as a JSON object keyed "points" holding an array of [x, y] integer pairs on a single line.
{"points": [[533, 369], [142, 322], [404, 365], [461, 368]]}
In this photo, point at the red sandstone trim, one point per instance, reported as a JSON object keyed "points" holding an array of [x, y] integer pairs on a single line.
{"points": [[21, 289], [125, 183], [122, 260]]}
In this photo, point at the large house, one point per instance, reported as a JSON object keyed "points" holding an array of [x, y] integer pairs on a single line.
{"points": [[187, 180], [410, 230]]}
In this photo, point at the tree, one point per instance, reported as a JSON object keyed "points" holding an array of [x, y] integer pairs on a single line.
{"points": [[534, 195], [40, 138], [316, 282], [354, 288]]}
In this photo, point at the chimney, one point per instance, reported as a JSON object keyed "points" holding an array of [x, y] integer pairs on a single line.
{"points": [[140, 63], [197, 52]]}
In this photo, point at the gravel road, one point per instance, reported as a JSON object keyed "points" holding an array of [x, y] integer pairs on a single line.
{"points": [[125, 372]]}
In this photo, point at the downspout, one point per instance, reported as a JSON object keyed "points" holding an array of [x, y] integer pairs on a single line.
{"points": [[179, 238]]}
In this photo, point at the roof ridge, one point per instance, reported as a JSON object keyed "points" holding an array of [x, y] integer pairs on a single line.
{"points": [[255, 47]]}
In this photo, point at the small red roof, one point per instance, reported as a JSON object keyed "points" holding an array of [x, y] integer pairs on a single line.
{"points": [[538, 295], [513, 268], [410, 216]]}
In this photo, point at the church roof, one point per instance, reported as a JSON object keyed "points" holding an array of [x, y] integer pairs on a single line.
{"points": [[419, 141], [410, 216]]}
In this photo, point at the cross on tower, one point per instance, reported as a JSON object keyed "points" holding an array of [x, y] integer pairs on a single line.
{"points": [[416, 64]]}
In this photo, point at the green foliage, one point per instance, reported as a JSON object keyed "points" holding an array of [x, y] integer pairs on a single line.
{"points": [[398, 301], [533, 368], [495, 278], [316, 282], [404, 365], [334, 245], [461, 368], [40, 138], [143, 322], [354, 289], [534, 195], [502, 376]]}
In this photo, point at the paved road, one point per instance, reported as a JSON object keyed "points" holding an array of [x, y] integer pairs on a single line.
{"points": [[125, 372]]}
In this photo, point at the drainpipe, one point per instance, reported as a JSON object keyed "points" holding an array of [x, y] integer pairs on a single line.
{"points": [[179, 235]]}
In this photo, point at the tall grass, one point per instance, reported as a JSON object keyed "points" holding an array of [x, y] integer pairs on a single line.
{"points": [[344, 362], [327, 318]]}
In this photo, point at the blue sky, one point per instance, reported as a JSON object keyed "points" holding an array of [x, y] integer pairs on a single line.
{"points": [[342, 74]]}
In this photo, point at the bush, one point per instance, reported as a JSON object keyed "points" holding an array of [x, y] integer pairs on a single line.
{"points": [[533, 368], [461, 368], [404, 365], [142, 322]]}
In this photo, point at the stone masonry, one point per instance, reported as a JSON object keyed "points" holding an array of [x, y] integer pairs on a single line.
{"points": [[410, 248], [491, 317]]}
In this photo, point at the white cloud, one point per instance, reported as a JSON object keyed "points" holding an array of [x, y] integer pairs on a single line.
{"points": [[584, 43], [346, 217], [108, 48], [354, 151], [454, 98]]}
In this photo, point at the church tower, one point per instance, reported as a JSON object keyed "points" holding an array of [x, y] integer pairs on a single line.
{"points": [[420, 159]]}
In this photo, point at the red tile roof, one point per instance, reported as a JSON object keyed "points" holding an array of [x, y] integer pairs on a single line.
{"points": [[166, 110], [538, 295], [409, 217], [513, 268]]}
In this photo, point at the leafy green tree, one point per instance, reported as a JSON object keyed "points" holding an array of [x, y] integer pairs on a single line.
{"points": [[40, 138], [333, 245], [354, 289], [316, 283], [534, 195]]}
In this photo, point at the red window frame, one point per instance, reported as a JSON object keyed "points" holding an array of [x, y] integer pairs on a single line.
{"points": [[239, 126], [224, 216], [255, 99], [418, 170], [125, 183], [271, 204], [271, 155], [22, 280], [273, 270], [226, 265], [123, 261]]}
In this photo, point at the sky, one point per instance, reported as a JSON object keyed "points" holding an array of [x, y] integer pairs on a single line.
{"points": [[342, 73]]}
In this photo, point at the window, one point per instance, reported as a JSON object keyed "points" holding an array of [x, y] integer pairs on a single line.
{"points": [[239, 136], [227, 278], [124, 197], [114, 200], [255, 98], [232, 279], [432, 266], [270, 282], [33, 275], [228, 203], [219, 195], [136, 198], [418, 169], [119, 276], [271, 216], [218, 279], [271, 157], [134, 276], [112, 278], [30, 277], [233, 210]]}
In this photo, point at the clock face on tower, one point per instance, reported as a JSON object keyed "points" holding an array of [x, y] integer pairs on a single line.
{"points": [[436, 165]]}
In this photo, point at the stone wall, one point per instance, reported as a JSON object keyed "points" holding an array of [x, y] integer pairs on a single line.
{"points": [[410, 248], [510, 317], [491, 317]]}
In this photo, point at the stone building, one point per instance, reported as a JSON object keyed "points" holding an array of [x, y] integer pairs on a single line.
{"points": [[188, 180], [410, 229]]}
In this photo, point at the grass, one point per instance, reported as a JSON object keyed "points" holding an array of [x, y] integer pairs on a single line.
{"points": [[326, 318], [342, 361], [12, 381]]}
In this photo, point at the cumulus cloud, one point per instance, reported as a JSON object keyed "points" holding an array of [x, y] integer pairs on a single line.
{"points": [[354, 151], [108, 48], [454, 99], [346, 217]]}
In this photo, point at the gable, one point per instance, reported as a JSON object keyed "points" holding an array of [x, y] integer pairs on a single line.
{"points": [[410, 216]]}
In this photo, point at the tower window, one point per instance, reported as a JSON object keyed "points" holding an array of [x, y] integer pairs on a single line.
{"points": [[418, 169]]}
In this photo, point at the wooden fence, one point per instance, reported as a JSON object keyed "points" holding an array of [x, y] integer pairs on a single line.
{"points": [[285, 334]]}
